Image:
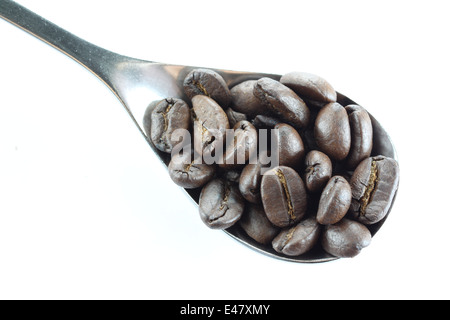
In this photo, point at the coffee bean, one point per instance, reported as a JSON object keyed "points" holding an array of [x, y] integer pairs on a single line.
{"points": [[374, 184], [346, 238], [334, 201], [332, 131], [208, 83], [234, 117], [283, 196], [255, 223], [167, 116], [220, 205], [186, 173], [309, 86], [251, 176], [361, 135], [147, 121], [290, 146], [299, 239], [318, 170], [243, 99], [244, 144], [282, 102], [210, 124], [250, 182]]}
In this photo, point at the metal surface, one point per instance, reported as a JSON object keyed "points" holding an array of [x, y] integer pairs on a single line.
{"points": [[136, 83]]}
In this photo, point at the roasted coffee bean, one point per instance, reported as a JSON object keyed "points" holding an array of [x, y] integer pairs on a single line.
{"points": [[309, 86], [243, 99], [210, 124], [318, 170], [250, 181], [346, 238], [208, 83], [374, 184], [255, 223], [234, 117], [282, 102], [361, 133], [220, 205], [147, 121], [332, 131], [290, 146], [185, 172], [283, 196], [244, 145], [298, 239], [334, 201], [167, 116]]}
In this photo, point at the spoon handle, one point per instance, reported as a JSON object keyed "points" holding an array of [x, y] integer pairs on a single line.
{"points": [[99, 61]]}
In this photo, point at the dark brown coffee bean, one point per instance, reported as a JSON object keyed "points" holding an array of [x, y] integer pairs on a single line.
{"points": [[243, 99], [283, 196], [309, 86], [290, 146], [210, 124], [332, 131], [220, 205], [346, 238], [334, 201], [243, 145], [255, 223], [299, 239], [186, 173], [168, 115], [374, 184], [208, 83], [318, 170], [362, 135], [147, 121], [250, 181], [282, 102], [234, 117]]}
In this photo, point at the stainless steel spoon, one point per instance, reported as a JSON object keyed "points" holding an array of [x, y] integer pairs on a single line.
{"points": [[136, 83]]}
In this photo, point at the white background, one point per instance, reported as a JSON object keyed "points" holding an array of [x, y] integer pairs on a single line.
{"points": [[87, 212]]}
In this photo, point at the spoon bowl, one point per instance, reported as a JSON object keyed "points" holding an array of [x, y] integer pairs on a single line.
{"points": [[136, 83]]}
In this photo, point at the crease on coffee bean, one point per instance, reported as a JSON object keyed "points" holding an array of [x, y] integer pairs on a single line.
{"points": [[312, 168], [162, 138], [164, 114], [187, 167], [288, 237], [265, 100], [208, 141], [370, 188], [199, 86], [225, 197], [283, 182]]}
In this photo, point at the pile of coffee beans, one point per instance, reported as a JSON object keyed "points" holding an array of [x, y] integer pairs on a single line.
{"points": [[280, 159]]}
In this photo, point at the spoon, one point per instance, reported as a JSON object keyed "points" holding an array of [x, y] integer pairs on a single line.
{"points": [[137, 82]]}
